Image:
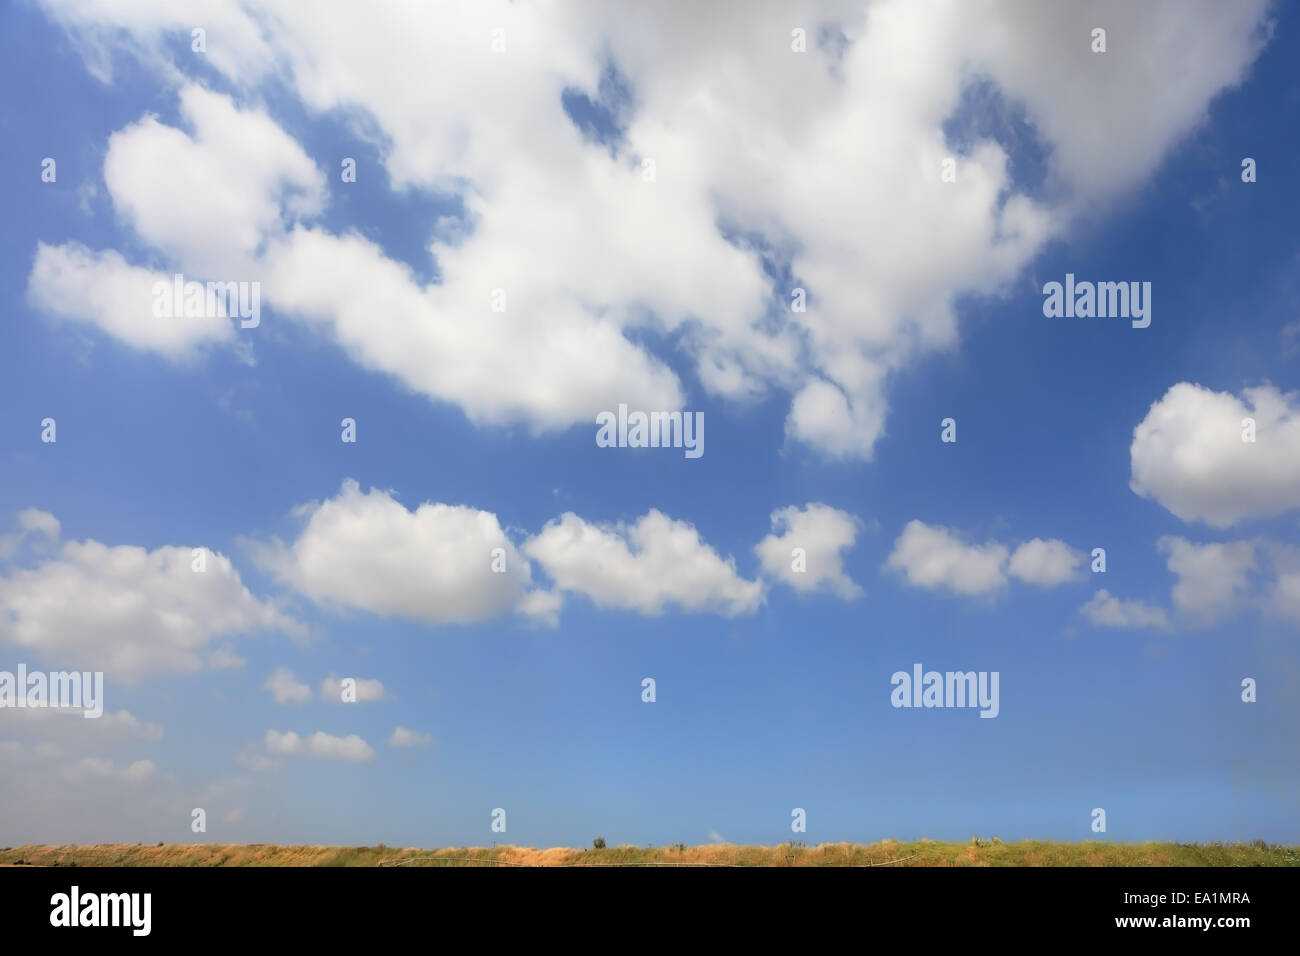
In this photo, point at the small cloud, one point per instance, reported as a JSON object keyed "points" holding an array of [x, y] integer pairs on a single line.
{"points": [[285, 688], [320, 744], [1106, 610], [367, 689], [257, 762], [1045, 563], [31, 522], [409, 738], [224, 658]]}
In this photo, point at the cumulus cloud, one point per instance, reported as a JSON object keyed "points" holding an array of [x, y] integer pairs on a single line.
{"points": [[92, 770], [436, 564], [184, 195], [256, 761], [822, 532], [409, 738], [32, 523], [210, 199], [1103, 609], [128, 611], [1045, 563], [101, 289], [1213, 582], [643, 567], [828, 161], [224, 658], [350, 748], [67, 729], [52, 798], [1212, 579], [367, 689], [285, 688], [365, 550], [1188, 454], [934, 557], [1282, 596]]}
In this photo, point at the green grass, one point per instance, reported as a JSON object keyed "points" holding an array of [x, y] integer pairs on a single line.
{"points": [[888, 853]]}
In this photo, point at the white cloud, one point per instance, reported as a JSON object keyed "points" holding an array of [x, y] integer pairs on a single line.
{"points": [[210, 199], [367, 689], [1103, 609], [1045, 563], [499, 367], [31, 522], [91, 770], [935, 557], [224, 658], [285, 688], [351, 748], [833, 160], [1283, 595], [409, 738], [1188, 454], [822, 532], [50, 798], [257, 762], [151, 26], [102, 289], [434, 564], [642, 567], [127, 611], [1212, 578], [542, 606], [68, 728]]}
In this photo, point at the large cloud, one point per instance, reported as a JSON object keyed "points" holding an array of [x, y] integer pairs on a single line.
{"points": [[128, 611], [828, 159], [101, 289], [1189, 455], [211, 198], [365, 550], [66, 729], [50, 797]]}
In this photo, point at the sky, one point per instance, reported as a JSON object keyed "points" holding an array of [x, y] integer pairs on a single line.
{"points": [[826, 231]]}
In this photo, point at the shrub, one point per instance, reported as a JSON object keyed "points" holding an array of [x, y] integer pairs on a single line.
{"points": [[598, 843]]}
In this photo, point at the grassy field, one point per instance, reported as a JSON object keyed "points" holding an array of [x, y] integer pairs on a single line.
{"points": [[888, 853]]}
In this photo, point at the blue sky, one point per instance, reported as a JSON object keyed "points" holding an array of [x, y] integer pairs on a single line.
{"points": [[772, 692]]}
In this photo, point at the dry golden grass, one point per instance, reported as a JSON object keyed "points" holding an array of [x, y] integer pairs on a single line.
{"points": [[886, 853]]}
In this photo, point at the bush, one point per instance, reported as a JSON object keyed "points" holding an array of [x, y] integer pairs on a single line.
{"points": [[598, 843]]}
